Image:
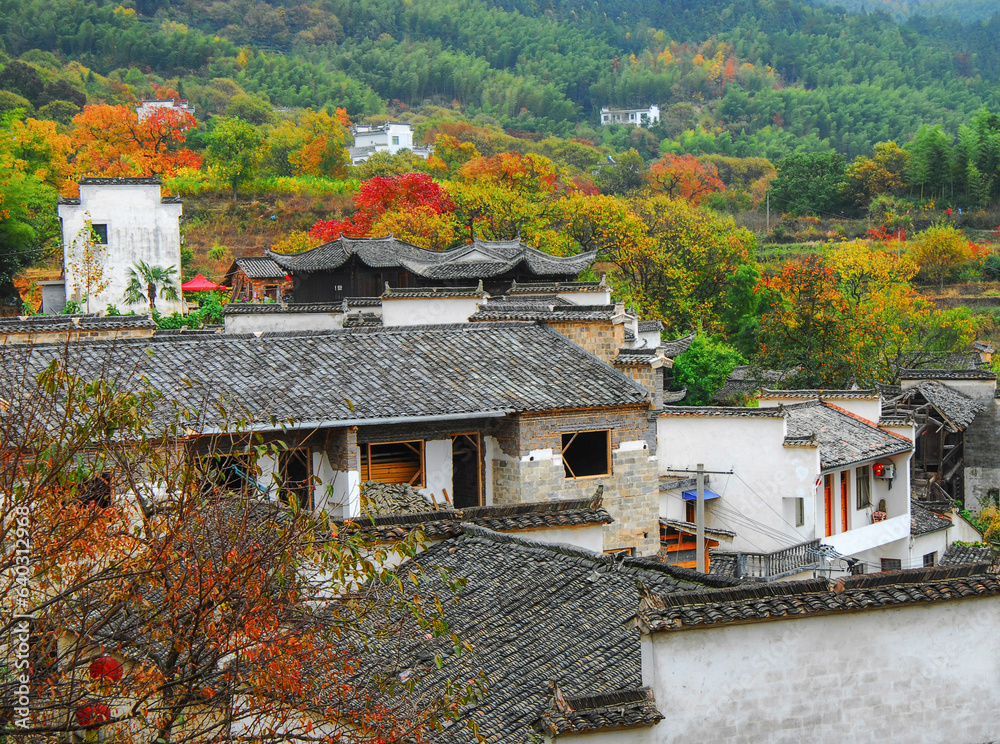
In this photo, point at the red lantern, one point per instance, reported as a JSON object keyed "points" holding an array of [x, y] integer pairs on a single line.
{"points": [[94, 713], [106, 667], [878, 469]]}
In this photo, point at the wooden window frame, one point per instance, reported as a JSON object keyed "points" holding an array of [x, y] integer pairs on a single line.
{"points": [[828, 503], [572, 437], [422, 472], [930, 559], [891, 564], [845, 500]]}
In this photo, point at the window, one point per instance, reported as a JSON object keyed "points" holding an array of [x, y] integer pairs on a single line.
{"points": [[96, 490], [586, 453], [930, 559], [100, 233], [231, 473], [394, 462], [466, 473], [864, 486], [395, 139], [892, 564], [993, 497], [620, 551], [800, 512], [295, 471]]}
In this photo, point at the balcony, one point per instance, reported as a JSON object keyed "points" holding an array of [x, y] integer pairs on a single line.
{"points": [[870, 536], [767, 566]]}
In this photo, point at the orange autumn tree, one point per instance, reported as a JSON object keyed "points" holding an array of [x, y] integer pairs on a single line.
{"points": [[322, 151], [684, 177], [165, 598], [852, 316], [112, 141]]}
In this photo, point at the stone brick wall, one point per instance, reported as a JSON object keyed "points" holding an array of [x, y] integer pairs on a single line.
{"points": [[600, 337], [982, 456], [526, 472], [650, 378], [341, 447]]}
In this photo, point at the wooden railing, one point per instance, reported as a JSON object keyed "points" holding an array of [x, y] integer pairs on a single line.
{"points": [[777, 565]]}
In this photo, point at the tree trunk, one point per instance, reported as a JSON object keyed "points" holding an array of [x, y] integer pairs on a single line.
{"points": [[151, 294]]}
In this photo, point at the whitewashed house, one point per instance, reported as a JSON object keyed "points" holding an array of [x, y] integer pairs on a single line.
{"points": [[131, 222], [641, 117], [392, 137], [145, 109], [807, 468]]}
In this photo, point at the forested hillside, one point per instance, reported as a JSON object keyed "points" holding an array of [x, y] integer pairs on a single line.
{"points": [[962, 10], [760, 76]]}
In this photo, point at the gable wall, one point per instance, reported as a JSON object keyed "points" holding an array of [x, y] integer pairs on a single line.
{"points": [[599, 337]]}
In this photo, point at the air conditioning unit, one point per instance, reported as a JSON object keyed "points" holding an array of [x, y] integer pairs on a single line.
{"points": [[884, 470]]}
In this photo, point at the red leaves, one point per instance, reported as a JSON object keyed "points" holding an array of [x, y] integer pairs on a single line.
{"points": [[106, 668], [93, 714], [379, 196]]}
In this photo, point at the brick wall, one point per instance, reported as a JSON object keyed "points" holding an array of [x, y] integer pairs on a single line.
{"points": [[650, 378], [631, 492], [600, 337]]}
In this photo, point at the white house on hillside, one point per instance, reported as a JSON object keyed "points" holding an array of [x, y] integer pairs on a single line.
{"points": [[392, 138], [146, 108], [132, 222], [638, 116]]}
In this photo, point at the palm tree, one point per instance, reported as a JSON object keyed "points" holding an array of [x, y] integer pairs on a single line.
{"points": [[142, 282]]}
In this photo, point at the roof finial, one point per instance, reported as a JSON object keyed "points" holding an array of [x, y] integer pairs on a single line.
{"points": [[479, 287], [388, 289]]}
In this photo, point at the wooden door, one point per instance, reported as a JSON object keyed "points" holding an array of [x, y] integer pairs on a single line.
{"points": [[843, 500], [828, 502]]}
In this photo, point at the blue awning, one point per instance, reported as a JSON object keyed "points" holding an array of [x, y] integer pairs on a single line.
{"points": [[693, 495]]}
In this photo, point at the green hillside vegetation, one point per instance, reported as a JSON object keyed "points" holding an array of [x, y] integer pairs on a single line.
{"points": [[962, 10]]}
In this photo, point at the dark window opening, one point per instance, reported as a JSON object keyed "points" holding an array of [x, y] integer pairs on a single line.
{"points": [[96, 490], [864, 486], [295, 471], [100, 233], [394, 462], [690, 510], [232, 473], [930, 559], [800, 512], [892, 564], [586, 453], [465, 471], [993, 497]]}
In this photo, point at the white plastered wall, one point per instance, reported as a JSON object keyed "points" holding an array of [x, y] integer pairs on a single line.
{"points": [[268, 322], [438, 470], [408, 311], [140, 228], [767, 478], [918, 674]]}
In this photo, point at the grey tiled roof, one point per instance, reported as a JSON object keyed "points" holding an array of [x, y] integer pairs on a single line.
{"points": [[957, 408], [674, 396], [339, 376], [947, 374], [121, 181], [562, 313], [67, 323], [957, 555], [692, 528], [637, 357], [923, 521], [444, 523], [274, 308], [844, 439], [259, 267], [362, 320], [364, 301], [798, 599], [871, 394], [650, 326], [478, 260], [533, 288], [722, 411], [534, 613], [392, 498], [419, 292], [677, 346], [622, 709]]}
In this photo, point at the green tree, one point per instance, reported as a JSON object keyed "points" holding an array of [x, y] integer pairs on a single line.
{"points": [[235, 149], [143, 282], [623, 174], [809, 183], [704, 367]]}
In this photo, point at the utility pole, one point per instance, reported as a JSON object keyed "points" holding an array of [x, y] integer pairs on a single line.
{"points": [[699, 511], [699, 519]]}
